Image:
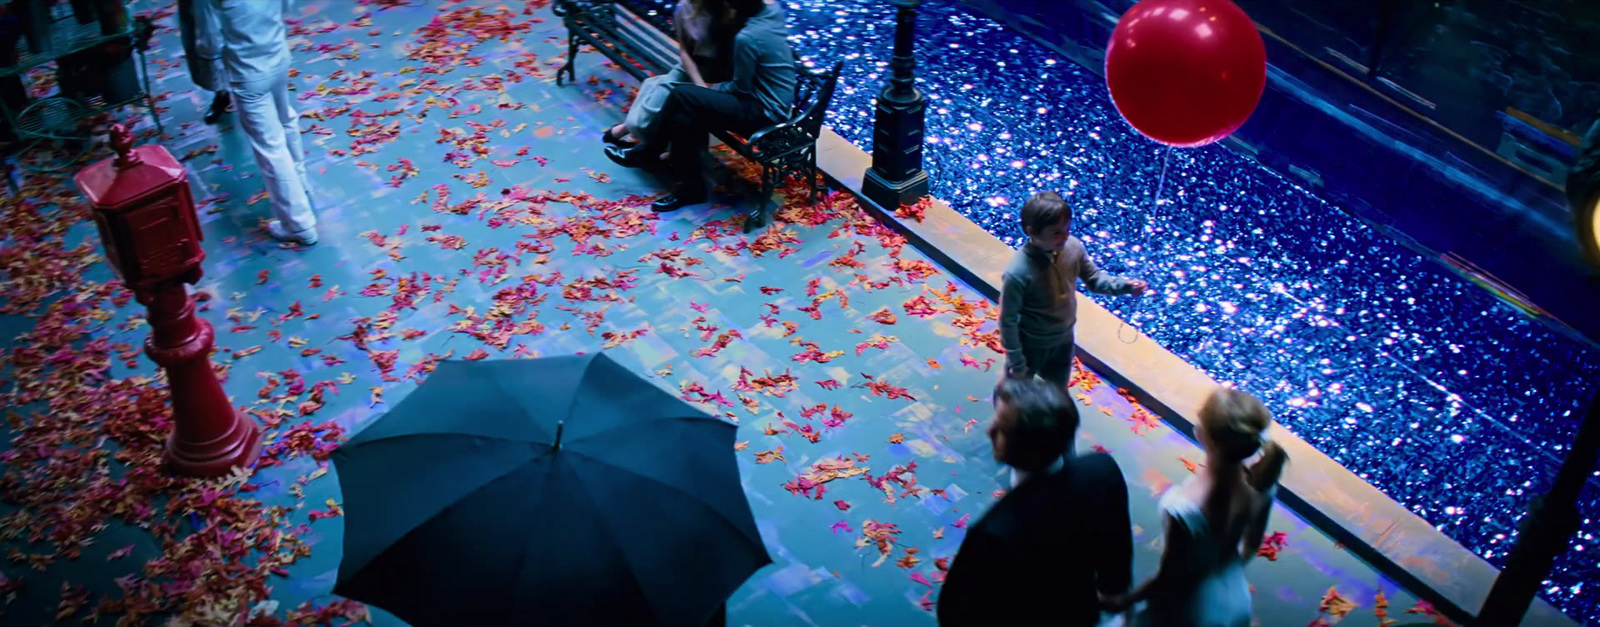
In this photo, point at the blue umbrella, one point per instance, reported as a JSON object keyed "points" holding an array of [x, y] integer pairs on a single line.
{"points": [[556, 491]]}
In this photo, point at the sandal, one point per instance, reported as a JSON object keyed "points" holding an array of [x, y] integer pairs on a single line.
{"points": [[615, 140]]}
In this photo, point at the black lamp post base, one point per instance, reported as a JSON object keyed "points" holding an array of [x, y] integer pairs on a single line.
{"points": [[892, 195], [896, 178]]}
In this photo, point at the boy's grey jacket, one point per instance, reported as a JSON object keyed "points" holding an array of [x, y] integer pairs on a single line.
{"points": [[1038, 297]]}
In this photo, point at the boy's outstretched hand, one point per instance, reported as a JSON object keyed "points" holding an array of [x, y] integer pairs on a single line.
{"points": [[1139, 287]]}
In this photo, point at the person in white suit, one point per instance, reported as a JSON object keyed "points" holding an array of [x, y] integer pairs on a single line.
{"points": [[256, 56]]}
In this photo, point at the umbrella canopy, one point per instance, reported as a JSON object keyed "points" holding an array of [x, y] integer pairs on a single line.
{"points": [[556, 491]]}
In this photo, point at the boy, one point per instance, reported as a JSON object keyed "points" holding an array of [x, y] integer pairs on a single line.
{"points": [[1038, 298]]}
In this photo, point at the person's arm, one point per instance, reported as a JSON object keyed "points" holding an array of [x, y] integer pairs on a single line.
{"points": [[746, 59], [1172, 567], [204, 38], [1257, 529], [690, 68], [207, 28], [1114, 573], [687, 60], [1102, 283], [1013, 293]]}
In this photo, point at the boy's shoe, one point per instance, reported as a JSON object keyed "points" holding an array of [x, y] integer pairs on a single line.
{"points": [[281, 233]]}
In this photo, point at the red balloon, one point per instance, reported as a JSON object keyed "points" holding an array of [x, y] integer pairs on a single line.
{"points": [[1186, 72]]}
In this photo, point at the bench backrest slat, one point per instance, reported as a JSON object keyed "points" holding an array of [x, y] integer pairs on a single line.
{"points": [[813, 95], [661, 49], [621, 35]]}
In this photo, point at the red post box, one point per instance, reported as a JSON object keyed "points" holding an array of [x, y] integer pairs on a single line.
{"points": [[152, 236]]}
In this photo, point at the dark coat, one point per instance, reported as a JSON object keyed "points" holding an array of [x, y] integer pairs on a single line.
{"points": [[1039, 556]]}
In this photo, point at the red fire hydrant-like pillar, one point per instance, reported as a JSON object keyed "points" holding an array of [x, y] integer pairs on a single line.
{"points": [[147, 223]]}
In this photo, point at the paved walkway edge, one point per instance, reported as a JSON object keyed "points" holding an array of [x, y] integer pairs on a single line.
{"points": [[1379, 530]]}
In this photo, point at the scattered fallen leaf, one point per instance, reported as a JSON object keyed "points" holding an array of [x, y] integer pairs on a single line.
{"points": [[767, 457]]}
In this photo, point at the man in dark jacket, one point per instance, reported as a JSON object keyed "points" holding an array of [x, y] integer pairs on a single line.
{"points": [[1040, 555]]}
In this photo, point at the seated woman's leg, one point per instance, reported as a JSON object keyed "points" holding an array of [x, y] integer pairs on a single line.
{"points": [[646, 107], [617, 135]]}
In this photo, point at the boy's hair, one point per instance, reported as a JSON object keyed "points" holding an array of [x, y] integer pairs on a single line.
{"points": [[1044, 210], [1046, 423]]}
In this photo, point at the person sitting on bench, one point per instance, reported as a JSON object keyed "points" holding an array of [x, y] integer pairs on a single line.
{"points": [[761, 94], [705, 31]]}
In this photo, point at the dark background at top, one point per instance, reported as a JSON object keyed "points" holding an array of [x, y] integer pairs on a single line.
{"points": [[1457, 180], [1470, 58]]}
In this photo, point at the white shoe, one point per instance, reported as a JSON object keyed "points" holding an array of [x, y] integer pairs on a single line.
{"points": [[278, 232]]}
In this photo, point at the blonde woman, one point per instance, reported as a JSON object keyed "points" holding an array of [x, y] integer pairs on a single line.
{"points": [[1214, 522]]}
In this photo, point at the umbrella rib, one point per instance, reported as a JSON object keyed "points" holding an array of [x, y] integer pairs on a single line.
{"points": [[401, 436], [566, 412], [611, 533], [517, 398], [357, 567], [690, 496]]}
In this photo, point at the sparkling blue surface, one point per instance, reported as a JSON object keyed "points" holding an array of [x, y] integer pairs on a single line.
{"points": [[1423, 383]]}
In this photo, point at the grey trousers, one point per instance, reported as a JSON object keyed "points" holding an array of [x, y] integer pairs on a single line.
{"points": [[641, 120], [1051, 363]]}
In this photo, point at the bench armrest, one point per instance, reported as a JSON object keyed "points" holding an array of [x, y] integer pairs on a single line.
{"points": [[780, 138], [813, 95]]}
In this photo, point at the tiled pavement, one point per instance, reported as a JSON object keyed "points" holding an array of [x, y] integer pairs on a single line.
{"points": [[827, 342]]}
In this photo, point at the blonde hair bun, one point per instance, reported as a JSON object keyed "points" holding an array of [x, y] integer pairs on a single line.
{"points": [[1235, 422]]}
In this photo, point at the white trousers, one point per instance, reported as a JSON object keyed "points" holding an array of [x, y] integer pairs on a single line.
{"points": [[266, 111]]}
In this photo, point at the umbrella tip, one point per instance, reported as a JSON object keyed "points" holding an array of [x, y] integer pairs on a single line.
{"points": [[559, 427]]}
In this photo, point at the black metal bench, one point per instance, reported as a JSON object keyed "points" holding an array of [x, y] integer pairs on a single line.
{"points": [[643, 50]]}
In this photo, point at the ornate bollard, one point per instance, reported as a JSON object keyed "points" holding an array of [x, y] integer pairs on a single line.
{"points": [[897, 177], [147, 224]]}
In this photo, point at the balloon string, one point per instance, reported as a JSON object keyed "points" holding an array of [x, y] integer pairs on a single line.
{"points": [[1137, 305], [1155, 204], [1161, 183]]}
